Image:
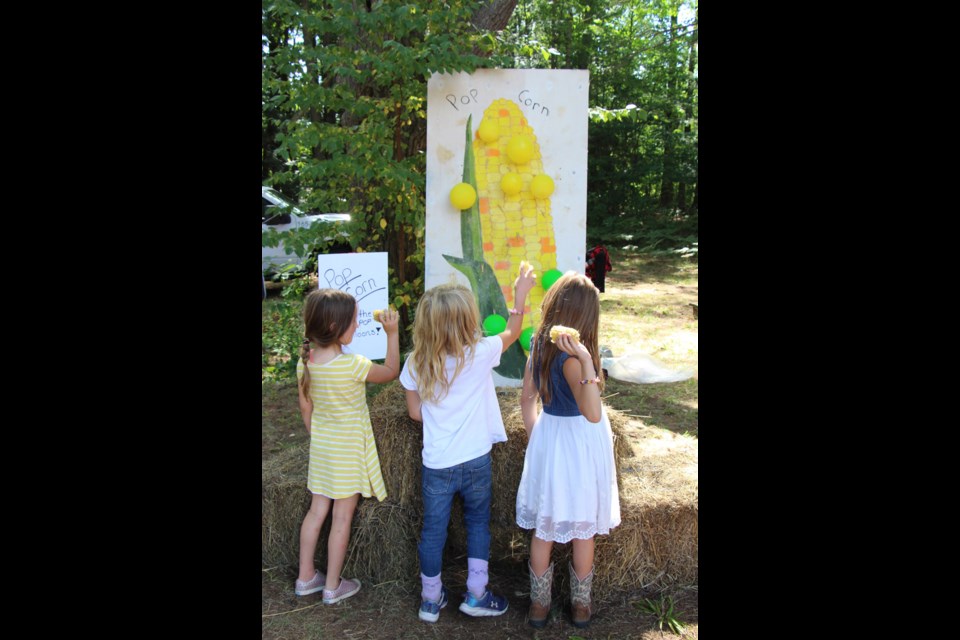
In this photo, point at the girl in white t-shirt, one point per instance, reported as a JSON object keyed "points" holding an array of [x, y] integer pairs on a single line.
{"points": [[449, 383]]}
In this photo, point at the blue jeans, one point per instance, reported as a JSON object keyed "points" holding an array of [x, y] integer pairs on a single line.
{"points": [[473, 480]]}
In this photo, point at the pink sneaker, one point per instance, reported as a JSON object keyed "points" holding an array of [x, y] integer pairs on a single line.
{"points": [[346, 589], [310, 586]]}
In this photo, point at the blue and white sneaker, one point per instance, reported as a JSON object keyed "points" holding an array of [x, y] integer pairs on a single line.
{"points": [[430, 610], [488, 605]]}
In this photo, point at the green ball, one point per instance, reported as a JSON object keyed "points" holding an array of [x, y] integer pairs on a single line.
{"points": [[494, 324], [525, 337], [549, 278]]}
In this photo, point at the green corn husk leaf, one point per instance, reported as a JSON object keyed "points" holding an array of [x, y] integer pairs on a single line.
{"points": [[471, 236], [483, 280]]}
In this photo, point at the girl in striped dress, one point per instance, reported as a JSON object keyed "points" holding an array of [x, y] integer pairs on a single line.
{"points": [[343, 455]]}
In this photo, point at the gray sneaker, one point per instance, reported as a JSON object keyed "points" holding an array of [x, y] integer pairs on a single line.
{"points": [[312, 585], [346, 589]]}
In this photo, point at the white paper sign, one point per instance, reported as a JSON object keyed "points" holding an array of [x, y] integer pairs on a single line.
{"points": [[364, 276]]}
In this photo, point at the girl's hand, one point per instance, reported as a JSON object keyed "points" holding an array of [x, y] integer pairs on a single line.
{"points": [[572, 347], [525, 281], [390, 320]]}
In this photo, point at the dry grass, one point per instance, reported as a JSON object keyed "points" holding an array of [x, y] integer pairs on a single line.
{"points": [[655, 545]]}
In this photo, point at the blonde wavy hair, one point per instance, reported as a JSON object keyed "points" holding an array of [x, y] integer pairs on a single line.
{"points": [[447, 324], [574, 302]]}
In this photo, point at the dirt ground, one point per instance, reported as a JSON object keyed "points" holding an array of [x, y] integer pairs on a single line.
{"points": [[384, 612], [390, 610]]}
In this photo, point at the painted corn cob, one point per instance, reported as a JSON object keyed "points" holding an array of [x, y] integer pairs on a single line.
{"points": [[483, 281], [515, 227]]}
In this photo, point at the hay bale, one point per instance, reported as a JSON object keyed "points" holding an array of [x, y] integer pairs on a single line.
{"points": [[657, 542], [382, 534], [383, 538], [383, 544], [284, 501], [655, 545], [399, 443], [507, 540]]}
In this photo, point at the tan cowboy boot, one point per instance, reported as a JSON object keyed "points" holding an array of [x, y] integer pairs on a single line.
{"points": [[540, 597], [580, 603]]}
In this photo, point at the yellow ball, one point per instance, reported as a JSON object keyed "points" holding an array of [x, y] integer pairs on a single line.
{"points": [[511, 184], [463, 196], [488, 131], [541, 186], [520, 149]]}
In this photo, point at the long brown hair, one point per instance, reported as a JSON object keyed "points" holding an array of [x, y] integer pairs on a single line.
{"points": [[447, 324], [574, 302], [327, 314]]}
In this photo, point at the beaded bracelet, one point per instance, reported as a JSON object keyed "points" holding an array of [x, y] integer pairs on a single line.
{"points": [[591, 380], [514, 312]]}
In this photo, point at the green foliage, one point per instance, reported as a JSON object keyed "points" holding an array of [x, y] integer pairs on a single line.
{"points": [[343, 91], [655, 230], [286, 273], [307, 241], [692, 251], [662, 610], [643, 128], [344, 88], [281, 335], [297, 288]]}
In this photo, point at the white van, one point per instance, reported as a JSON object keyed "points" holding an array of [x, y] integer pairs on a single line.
{"points": [[281, 214]]}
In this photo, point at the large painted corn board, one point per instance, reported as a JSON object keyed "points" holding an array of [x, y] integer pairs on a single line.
{"points": [[482, 246]]}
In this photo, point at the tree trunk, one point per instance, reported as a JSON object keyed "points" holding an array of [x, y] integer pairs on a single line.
{"points": [[494, 15], [348, 118], [309, 51], [666, 184], [691, 113], [276, 36], [666, 188]]}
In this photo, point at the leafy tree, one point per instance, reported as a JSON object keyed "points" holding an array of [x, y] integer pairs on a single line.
{"points": [[344, 112], [344, 108], [643, 143]]}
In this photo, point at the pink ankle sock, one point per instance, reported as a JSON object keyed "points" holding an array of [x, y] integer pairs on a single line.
{"points": [[430, 588], [477, 577]]}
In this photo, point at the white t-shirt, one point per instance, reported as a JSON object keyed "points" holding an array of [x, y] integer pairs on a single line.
{"points": [[466, 422]]}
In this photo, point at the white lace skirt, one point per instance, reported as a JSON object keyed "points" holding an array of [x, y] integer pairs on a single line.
{"points": [[569, 484]]}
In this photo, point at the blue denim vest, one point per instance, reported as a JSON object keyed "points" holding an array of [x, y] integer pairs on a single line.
{"points": [[562, 403]]}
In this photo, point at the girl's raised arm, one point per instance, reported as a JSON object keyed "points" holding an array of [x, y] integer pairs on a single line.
{"points": [[390, 369], [521, 287]]}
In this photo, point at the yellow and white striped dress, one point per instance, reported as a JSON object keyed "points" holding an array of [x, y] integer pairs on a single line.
{"points": [[343, 453]]}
